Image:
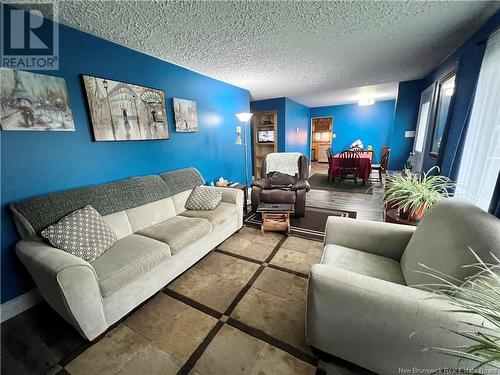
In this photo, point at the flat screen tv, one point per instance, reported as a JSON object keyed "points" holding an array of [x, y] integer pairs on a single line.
{"points": [[265, 135]]}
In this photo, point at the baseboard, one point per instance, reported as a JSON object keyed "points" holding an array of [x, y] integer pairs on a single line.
{"points": [[17, 305]]}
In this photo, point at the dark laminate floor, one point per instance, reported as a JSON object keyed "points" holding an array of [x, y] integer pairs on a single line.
{"points": [[35, 341], [368, 207]]}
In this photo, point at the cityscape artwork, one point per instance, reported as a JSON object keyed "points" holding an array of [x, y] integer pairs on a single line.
{"points": [[186, 119], [124, 112], [36, 102]]}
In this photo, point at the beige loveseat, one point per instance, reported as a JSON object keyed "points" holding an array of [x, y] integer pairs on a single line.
{"points": [[158, 239], [363, 304]]}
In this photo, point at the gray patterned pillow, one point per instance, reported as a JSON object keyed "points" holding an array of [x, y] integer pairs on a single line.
{"points": [[203, 198], [82, 233]]}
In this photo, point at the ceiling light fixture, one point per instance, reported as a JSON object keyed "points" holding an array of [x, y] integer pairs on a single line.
{"points": [[366, 101]]}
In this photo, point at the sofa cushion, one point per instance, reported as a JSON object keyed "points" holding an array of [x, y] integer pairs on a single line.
{"points": [[150, 214], [119, 223], [363, 263], [128, 259], [180, 200], [221, 213], [179, 231], [443, 238], [82, 233], [203, 198]]}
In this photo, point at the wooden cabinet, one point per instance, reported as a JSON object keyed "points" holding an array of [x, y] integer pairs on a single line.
{"points": [[265, 138]]}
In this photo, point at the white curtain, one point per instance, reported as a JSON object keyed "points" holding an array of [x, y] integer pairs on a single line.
{"points": [[481, 155]]}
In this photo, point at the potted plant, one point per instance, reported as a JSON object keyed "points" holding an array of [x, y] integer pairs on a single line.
{"points": [[478, 295], [413, 193]]}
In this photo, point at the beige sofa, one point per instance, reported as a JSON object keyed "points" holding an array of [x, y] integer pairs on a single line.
{"points": [[363, 304], [157, 241]]}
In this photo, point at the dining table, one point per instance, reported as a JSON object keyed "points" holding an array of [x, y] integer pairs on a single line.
{"points": [[364, 166]]}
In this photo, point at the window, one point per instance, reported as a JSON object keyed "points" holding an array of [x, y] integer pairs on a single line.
{"points": [[445, 95], [424, 116], [481, 155]]}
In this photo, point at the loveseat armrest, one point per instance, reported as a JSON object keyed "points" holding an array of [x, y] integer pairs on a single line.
{"points": [[380, 325], [379, 238], [68, 283]]}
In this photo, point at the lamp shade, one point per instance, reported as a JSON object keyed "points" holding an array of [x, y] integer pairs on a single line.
{"points": [[244, 116]]}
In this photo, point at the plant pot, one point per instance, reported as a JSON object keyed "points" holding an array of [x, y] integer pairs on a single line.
{"points": [[417, 216], [404, 214]]}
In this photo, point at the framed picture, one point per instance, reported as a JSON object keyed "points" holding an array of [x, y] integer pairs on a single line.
{"points": [[186, 118], [36, 102], [125, 112]]}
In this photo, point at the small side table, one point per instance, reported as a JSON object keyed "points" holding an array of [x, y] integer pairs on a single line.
{"points": [[275, 217], [245, 194]]}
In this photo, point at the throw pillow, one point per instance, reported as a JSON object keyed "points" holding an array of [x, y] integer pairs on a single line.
{"points": [[82, 233], [203, 198]]}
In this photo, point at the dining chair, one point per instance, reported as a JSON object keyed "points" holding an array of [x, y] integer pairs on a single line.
{"points": [[329, 155], [349, 165], [384, 162]]}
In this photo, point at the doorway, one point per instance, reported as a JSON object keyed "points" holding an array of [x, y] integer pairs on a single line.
{"points": [[321, 138]]}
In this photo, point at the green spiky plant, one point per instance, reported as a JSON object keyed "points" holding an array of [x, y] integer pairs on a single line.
{"points": [[414, 193], [479, 295]]}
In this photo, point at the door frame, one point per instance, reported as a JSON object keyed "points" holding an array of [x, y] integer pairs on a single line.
{"points": [[311, 133]]}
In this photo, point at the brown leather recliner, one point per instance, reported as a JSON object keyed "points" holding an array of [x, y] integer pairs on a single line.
{"points": [[275, 186]]}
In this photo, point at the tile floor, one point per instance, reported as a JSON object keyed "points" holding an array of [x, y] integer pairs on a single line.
{"points": [[240, 310]]}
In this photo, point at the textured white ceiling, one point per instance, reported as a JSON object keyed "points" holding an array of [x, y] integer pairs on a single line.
{"points": [[383, 91], [299, 49]]}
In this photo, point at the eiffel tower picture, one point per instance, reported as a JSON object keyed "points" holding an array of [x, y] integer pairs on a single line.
{"points": [[36, 102]]}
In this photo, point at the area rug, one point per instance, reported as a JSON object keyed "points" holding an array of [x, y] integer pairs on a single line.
{"points": [[311, 226], [320, 182]]}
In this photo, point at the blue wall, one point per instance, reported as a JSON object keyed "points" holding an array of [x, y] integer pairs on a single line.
{"points": [[372, 124], [405, 119], [291, 116], [467, 59], [40, 162], [297, 128]]}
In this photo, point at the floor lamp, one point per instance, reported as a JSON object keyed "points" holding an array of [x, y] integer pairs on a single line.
{"points": [[244, 118]]}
